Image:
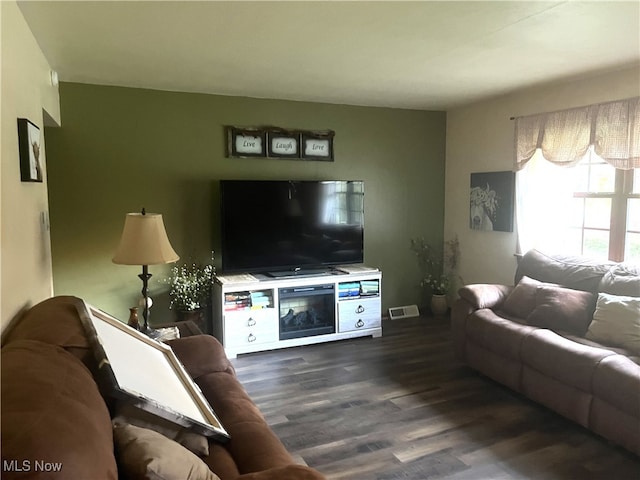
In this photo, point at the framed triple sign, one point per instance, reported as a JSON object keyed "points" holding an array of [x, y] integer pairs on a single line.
{"points": [[273, 142]]}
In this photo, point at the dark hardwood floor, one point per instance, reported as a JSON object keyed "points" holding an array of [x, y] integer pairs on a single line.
{"points": [[402, 407]]}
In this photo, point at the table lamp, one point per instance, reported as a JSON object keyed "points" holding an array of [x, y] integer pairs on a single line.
{"points": [[144, 242]]}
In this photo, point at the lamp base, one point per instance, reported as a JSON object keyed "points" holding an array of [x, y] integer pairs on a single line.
{"points": [[150, 332]]}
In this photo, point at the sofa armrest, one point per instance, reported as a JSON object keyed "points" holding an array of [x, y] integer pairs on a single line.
{"points": [[485, 295], [472, 298], [290, 472], [201, 354]]}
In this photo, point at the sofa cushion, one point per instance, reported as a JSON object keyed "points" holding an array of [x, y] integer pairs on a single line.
{"points": [[622, 279], [497, 334], [54, 321], [579, 273], [52, 411], [616, 321], [562, 359], [565, 309], [568, 400], [592, 343], [146, 454], [616, 374], [494, 365]]}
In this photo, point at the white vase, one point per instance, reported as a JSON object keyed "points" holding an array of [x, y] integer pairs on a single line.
{"points": [[439, 305]]}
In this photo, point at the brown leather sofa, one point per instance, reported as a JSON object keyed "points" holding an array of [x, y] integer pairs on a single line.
{"points": [[56, 424], [536, 338]]}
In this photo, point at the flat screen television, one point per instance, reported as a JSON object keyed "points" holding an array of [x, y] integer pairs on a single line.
{"points": [[291, 226]]}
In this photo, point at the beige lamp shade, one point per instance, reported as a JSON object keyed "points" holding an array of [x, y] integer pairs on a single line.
{"points": [[144, 241]]}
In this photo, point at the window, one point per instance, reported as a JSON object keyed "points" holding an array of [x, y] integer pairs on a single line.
{"points": [[591, 209], [605, 220], [578, 180], [632, 231]]}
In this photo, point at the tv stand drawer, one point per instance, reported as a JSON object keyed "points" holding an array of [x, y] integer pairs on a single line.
{"points": [[250, 337], [251, 326], [359, 314]]}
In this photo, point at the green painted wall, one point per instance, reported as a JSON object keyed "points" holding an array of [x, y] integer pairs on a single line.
{"points": [[120, 149]]}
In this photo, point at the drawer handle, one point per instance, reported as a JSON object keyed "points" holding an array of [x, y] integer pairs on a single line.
{"points": [[359, 323], [251, 338], [360, 309], [251, 322]]}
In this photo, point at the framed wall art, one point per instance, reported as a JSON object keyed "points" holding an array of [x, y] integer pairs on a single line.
{"points": [[29, 151], [278, 142], [317, 146], [491, 201], [283, 144], [137, 372], [246, 142]]}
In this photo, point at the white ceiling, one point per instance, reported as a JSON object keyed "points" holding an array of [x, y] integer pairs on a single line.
{"points": [[418, 55]]}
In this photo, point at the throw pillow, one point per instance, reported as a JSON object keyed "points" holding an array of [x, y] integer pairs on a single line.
{"points": [[559, 308], [195, 442], [616, 321], [145, 454], [522, 300]]}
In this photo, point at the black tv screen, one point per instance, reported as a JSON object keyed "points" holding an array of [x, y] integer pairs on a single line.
{"points": [[290, 225]]}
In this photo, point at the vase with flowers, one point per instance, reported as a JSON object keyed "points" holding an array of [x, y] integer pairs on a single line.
{"points": [[438, 267], [190, 291]]}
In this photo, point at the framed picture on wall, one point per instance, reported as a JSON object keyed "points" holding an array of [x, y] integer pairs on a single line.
{"points": [[246, 142], [29, 151], [283, 144], [318, 145], [491, 201]]}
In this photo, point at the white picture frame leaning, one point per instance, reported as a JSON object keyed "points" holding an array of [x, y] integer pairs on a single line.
{"points": [[140, 372]]}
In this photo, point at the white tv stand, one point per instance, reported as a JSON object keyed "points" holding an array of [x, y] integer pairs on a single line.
{"points": [[255, 312]]}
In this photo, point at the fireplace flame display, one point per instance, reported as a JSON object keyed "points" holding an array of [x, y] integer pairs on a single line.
{"points": [[307, 311]]}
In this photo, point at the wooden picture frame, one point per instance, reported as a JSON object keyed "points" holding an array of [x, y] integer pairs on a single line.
{"points": [[318, 146], [29, 146], [140, 373], [246, 142], [283, 144]]}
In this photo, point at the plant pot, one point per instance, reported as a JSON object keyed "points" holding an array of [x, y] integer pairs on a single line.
{"points": [[439, 304], [197, 316]]}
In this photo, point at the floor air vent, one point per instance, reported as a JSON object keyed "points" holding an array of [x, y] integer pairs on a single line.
{"points": [[408, 311]]}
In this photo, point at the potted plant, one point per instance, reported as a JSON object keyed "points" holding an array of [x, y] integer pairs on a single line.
{"points": [[438, 267], [190, 291]]}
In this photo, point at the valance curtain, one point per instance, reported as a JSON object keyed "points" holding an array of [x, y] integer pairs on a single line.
{"points": [[564, 137]]}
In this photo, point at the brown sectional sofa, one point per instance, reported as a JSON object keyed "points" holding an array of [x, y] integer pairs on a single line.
{"points": [[56, 424], [537, 338]]}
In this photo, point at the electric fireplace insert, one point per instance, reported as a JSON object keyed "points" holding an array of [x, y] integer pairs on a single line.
{"points": [[307, 311]]}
